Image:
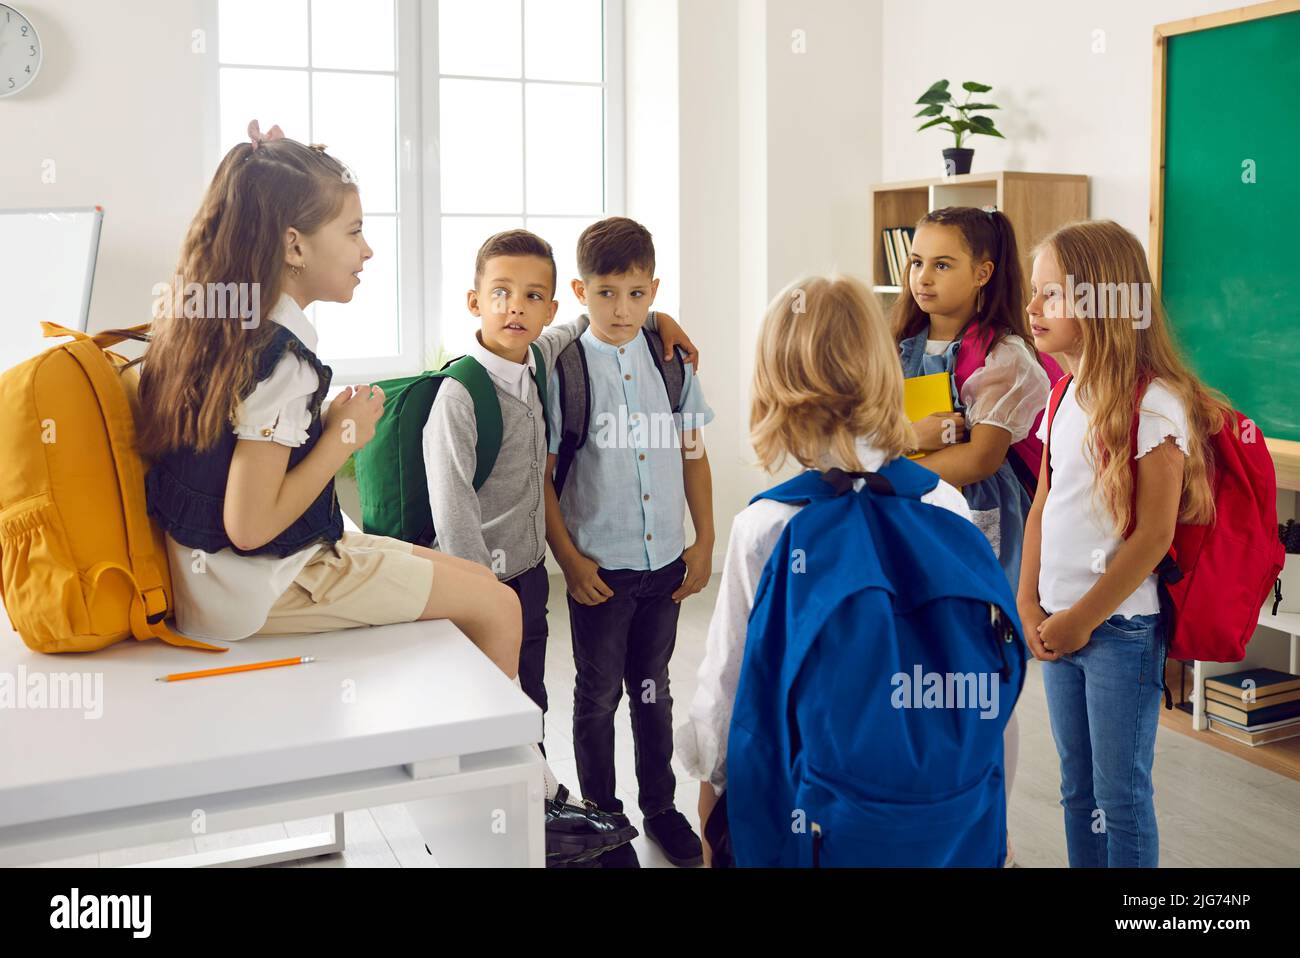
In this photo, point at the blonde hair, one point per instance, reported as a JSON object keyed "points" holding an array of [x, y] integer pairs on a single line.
{"points": [[827, 372], [1122, 350]]}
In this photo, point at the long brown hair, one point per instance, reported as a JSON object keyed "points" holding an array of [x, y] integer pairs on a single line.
{"points": [[825, 375], [196, 370], [1123, 347], [990, 237]]}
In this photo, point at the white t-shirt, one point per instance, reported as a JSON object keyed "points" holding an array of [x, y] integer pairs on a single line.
{"points": [[224, 595], [1079, 538], [701, 742]]}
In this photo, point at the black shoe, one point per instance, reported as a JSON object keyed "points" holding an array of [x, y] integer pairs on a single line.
{"points": [[576, 833], [622, 857], [672, 833]]}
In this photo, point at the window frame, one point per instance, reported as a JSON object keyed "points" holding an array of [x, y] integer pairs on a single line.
{"points": [[419, 194]]}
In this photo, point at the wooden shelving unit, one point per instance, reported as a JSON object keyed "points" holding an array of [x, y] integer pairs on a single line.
{"points": [[1036, 204]]}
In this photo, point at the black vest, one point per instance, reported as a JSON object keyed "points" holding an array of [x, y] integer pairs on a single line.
{"points": [[186, 490]]}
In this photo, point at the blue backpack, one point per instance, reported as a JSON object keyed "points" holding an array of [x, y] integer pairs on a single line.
{"points": [[882, 662]]}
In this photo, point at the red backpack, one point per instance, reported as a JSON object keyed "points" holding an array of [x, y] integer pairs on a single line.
{"points": [[1216, 577]]}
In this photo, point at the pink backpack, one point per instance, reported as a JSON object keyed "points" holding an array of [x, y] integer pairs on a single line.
{"points": [[1025, 456]]}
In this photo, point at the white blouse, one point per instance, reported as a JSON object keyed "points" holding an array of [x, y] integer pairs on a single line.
{"points": [[1079, 538], [701, 742], [224, 595], [1008, 391]]}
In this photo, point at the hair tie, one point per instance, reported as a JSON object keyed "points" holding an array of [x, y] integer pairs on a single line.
{"points": [[990, 210], [258, 137]]}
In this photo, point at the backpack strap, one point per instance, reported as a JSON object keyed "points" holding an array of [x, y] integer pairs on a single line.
{"points": [[149, 600], [902, 478], [673, 372], [540, 376], [469, 372], [575, 408], [1053, 402]]}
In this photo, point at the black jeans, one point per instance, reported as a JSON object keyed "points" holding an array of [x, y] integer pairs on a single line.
{"points": [[533, 587], [626, 640]]}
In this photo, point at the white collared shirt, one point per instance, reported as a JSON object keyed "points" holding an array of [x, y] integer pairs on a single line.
{"points": [[512, 377]]}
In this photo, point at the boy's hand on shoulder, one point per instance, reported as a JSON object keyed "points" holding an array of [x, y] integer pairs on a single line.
{"points": [[582, 576], [353, 414], [699, 566], [674, 336], [1061, 633]]}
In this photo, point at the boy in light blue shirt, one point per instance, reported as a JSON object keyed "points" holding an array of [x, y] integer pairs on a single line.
{"points": [[615, 510]]}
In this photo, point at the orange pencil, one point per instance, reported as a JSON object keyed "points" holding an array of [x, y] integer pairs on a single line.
{"points": [[250, 667]]}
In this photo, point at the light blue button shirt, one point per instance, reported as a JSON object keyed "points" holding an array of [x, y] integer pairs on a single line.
{"points": [[624, 500]]}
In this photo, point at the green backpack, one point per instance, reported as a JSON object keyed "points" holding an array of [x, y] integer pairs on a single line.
{"points": [[390, 468]]}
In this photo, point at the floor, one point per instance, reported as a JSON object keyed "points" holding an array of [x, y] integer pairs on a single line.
{"points": [[1214, 809]]}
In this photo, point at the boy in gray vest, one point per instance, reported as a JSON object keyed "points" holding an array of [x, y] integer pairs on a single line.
{"points": [[501, 525]]}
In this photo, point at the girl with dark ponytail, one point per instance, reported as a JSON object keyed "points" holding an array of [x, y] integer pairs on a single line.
{"points": [[961, 311]]}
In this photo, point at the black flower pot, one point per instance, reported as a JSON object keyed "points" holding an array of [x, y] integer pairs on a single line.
{"points": [[957, 161]]}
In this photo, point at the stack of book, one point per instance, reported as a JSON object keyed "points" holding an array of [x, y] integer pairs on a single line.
{"points": [[1255, 706], [898, 251]]}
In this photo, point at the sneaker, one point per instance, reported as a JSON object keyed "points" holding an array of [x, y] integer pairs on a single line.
{"points": [[673, 834], [576, 833]]}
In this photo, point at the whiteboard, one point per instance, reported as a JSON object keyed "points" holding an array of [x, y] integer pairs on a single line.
{"points": [[47, 268]]}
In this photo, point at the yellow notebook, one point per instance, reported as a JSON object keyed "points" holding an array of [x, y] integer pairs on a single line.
{"points": [[925, 395]]}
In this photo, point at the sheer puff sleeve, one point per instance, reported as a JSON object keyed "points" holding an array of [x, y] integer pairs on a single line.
{"points": [[1008, 391]]}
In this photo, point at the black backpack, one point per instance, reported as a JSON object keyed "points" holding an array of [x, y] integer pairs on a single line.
{"points": [[575, 396]]}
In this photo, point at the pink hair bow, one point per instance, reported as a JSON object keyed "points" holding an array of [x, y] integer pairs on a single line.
{"points": [[255, 134]]}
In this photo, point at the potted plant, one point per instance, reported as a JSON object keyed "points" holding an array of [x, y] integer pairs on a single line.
{"points": [[936, 100], [1286, 591]]}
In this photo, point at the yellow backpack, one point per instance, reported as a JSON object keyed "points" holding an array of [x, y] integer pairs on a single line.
{"points": [[81, 565]]}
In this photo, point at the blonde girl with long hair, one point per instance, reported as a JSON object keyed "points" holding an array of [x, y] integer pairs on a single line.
{"points": [[1088, 597], [828, 393]]}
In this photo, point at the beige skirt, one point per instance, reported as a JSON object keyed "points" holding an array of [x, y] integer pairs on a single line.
{"points": [[360, 580]]}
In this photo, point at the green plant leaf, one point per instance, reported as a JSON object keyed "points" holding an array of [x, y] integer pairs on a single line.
{"points": [[935, 122], [973, 87], [935, 96], [981, 120], [988, 131], [934, 109], [960, 126], [980, 106]]}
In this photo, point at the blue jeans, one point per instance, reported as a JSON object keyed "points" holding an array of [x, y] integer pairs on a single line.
{"points": [[1104, 705]]}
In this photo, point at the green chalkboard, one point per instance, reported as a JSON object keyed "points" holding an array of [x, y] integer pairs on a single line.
{"points": [[1230, 268]]}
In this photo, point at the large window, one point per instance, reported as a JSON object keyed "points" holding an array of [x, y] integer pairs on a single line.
{"points": [[459, 118]]}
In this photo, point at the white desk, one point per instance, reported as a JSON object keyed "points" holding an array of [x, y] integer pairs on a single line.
{"points": [[406, 713]]}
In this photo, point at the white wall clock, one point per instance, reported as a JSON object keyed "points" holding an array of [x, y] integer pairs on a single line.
{"points": [[20, 51]]}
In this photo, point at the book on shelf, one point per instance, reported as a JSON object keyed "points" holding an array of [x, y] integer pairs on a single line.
{"points": [[1250, 703], [1269, 715], [1254, 736], [890, 261], [1265, 682], [897, 242], [900, 252]]}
